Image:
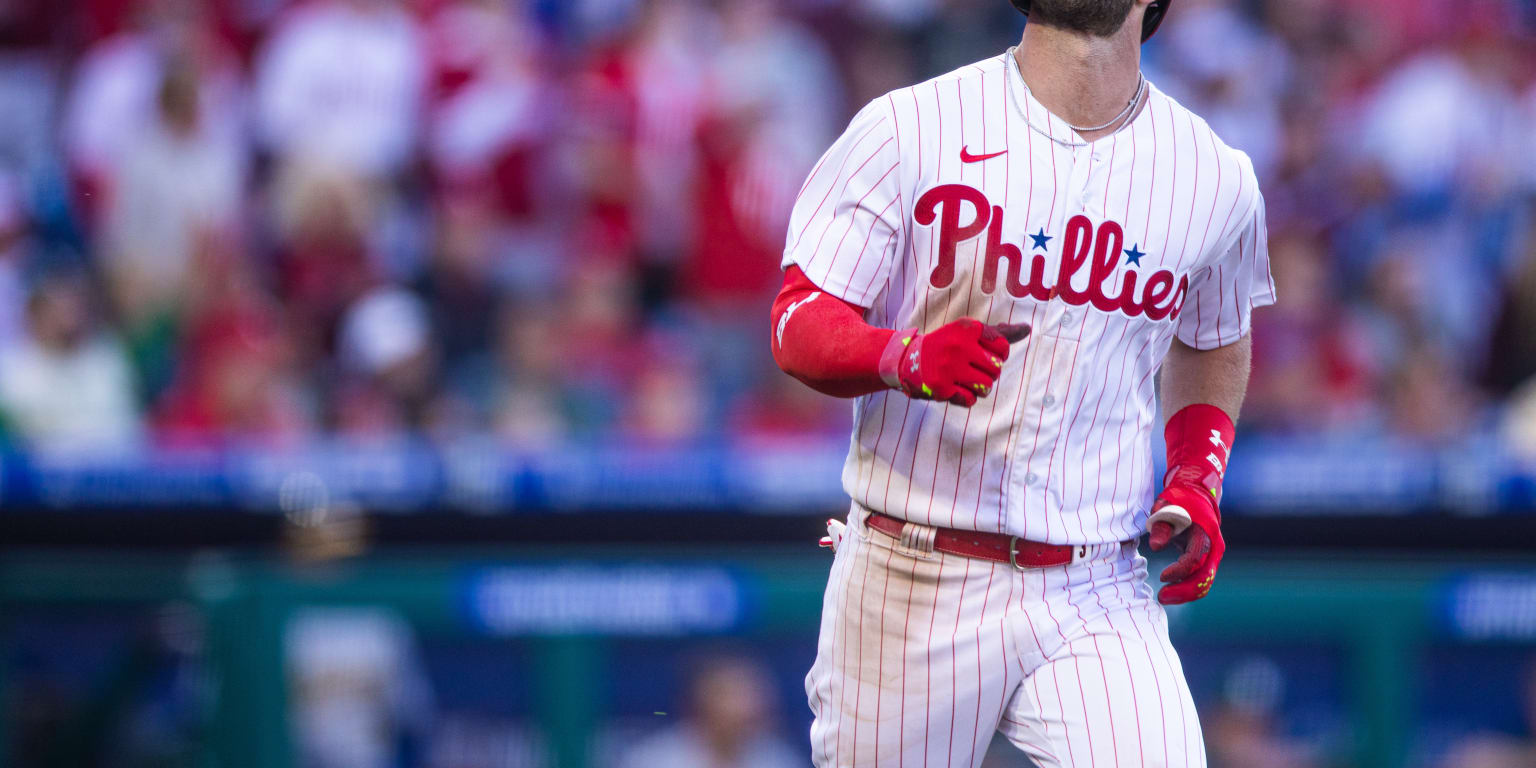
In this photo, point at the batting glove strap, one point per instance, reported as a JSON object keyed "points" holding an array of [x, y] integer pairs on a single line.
{"points": [[895, 352], [1205, 481]]}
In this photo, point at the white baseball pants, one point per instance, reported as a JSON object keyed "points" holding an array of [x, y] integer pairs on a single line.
{"points": [[924, 655]]}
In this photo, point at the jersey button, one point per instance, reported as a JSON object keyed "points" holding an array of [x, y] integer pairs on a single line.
{"points": [[1031, 479], [1050, 400]]}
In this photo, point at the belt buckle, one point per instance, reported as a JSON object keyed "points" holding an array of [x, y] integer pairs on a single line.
{"points": [[1013, 553]]}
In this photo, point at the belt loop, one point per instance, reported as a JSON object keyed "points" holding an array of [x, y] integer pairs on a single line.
{"points": [[918, 538], [1080, 553]]}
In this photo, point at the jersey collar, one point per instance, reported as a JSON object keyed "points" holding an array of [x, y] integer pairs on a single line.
{"points": [[1043, 121]]}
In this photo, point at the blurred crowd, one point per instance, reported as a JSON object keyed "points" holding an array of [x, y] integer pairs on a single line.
{"points": [[268, 220]]}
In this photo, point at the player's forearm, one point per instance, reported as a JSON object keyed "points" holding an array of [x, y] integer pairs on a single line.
{"points": [[824, 341], [1216, 377], [1202, 395]]}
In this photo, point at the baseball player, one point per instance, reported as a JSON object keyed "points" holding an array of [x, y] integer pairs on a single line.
{"points": [[996, 264]]}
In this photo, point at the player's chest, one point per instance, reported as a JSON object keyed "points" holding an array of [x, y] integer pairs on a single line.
{"points": [[1106, 225]]}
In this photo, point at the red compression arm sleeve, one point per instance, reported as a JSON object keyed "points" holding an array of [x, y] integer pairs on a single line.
{"points": [[824, 341]]}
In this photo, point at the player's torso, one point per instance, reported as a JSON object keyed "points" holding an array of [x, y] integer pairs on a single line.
{"points": [[1010, 217]]}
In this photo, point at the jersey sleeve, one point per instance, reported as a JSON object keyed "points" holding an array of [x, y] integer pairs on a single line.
{"points": [[1222, 297], [846, 226]]}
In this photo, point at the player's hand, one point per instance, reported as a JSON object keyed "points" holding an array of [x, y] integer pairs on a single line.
{"points": [[1190, 577], [836, 530], [958, 362]]}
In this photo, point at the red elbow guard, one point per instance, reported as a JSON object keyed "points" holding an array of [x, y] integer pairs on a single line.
{"points": [[824, 341]]}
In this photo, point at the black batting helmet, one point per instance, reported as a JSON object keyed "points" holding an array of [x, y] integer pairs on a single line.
{"points": [[1149, 22]]}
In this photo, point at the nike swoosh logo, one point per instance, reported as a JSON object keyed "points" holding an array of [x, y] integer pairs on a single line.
{"points": [[967, 157]]}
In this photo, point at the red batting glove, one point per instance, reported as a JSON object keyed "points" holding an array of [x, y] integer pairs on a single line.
{"points": [[1190, 577], [958, 362], [1187, 512]]}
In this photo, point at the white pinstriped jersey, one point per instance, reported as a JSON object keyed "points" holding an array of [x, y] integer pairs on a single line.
{"points": [[964, 197]]}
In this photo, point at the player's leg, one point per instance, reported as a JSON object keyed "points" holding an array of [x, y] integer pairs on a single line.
{"points": [[913, 663], [1109, 690]]}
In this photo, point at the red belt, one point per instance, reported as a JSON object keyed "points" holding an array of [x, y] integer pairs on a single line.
{"points": [[997, 547]]}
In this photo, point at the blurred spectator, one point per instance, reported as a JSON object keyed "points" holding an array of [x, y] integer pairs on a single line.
{"points": [[65, 386], [391, 364], [154, 142], [1419, 333], [460, 286], [1302, 189], [493, 126], [532, 402], [491, 121], [177, 187], [604, 149], [1444, 116], [773, 102], [1430, 399], [599, 351], [671, 69], [1488, 751], [668, 402], [324, 260], [167, 78], [576, 209], [342, 81], [358, 696], [1235, 86], [1308, 371], [1243, 732], [727, 723], [234, 378]]}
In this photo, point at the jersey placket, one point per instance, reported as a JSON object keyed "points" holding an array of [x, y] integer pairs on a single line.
{"points": [[1035, 478]]}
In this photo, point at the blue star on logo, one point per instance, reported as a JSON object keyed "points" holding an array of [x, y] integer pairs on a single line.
{"points": [[1040, 239], [1133, 255]]}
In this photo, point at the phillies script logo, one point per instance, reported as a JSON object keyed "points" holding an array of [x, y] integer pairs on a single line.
{"points": [[1081, 249]]}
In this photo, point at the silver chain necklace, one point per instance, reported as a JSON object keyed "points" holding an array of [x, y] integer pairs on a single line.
{"points": [[1130, 106]]}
